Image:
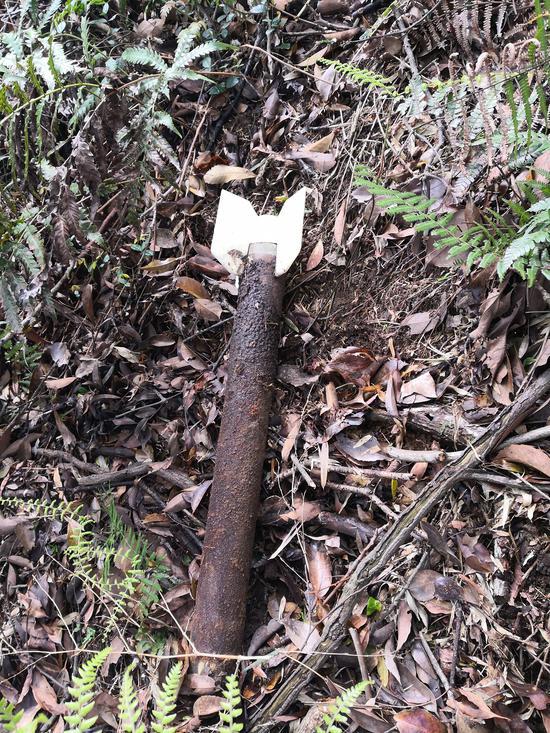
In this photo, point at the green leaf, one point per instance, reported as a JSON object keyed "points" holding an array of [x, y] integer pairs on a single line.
{"points": [[373, 606]]}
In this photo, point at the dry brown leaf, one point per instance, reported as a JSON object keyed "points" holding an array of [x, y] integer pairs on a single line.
{"points": [[149, 28], [322, 162], [475, 555], [422, 586], [208, 310], [292, 374], [527, 455], [332, 7], [419, 389], [220, 174], [312, 60], [404, 623], [302, 634], [421, 322], [294, 421], [340, 223], [321, 146], [208, 265], [319, 568], [304, 511], [160, 267], [316, 256], [45, 696], [59, 383], [207, 705], [193, 287], [354, 365], [418, 721]]}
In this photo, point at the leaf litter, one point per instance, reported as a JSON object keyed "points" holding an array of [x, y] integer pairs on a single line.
{"points": [[380, 351]]}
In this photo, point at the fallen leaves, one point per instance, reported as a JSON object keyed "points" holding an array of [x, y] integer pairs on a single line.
{"points": [[418, 721], [527, 455], [220, 174]]}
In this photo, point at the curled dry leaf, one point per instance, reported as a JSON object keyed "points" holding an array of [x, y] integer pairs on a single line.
{"points": [[419, 389], [422, 586], [527, 455], [193, 287], [418, 721], [475, 555], [208, 310], [220, 174], [322, 162], [320, 569], [316, 256], [354, 365], [208, 265], [207, 705], [304, 511]]}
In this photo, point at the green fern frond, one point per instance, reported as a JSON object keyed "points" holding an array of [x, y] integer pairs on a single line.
{"points": [[340, 710], [82, 694], [128, 707], [165, 702], [231, 708], [182, 61], [363, 76], [186, 38], [144, 57], [10, 720]]}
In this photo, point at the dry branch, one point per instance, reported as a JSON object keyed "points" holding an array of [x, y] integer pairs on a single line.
{"points": [[375, 562]]}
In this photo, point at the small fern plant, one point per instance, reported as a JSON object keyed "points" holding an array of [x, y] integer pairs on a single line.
{"points": [[10, 720], [82, 694], [231, 708], [487, 242], [340, 710], [141, 572], [363, 76], [150, 117]]}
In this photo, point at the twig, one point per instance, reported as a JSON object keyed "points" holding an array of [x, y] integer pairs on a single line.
{"points": [[378, 559], [359, 651], [62, 455], [366, 472], [433, 661], [367, 493], [346, 525], [456, 642], [134, 470], [302, 471]]}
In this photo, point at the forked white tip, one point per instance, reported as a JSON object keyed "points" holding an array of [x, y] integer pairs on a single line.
{"points": [[238, 226]]}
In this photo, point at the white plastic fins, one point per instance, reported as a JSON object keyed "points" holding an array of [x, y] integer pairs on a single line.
{"points": [[238, 226]]}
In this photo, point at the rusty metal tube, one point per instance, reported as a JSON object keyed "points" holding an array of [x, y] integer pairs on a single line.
{"points": [[220, 607]]}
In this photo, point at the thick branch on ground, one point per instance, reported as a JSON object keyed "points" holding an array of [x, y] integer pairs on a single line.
{"points": [[375, 562]]}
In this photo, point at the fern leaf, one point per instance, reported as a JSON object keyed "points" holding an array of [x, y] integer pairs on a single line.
{"points": [[128, 706], [339, 711], [165, 702], [363, 76], [9, 304], [186, 38], [144, 57], [82, 694], [180, 70], [230, 707]]}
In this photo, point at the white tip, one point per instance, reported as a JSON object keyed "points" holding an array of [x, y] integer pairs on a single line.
{"points": [[238, 226]]}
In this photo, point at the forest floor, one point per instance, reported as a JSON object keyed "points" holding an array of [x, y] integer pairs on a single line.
{"points": [[395, 358]]}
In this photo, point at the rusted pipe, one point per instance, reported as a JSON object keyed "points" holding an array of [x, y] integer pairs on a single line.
{"points": [[220, 606]]}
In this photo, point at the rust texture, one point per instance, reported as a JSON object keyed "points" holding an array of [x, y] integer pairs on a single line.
{"points": [[219, 617]]}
